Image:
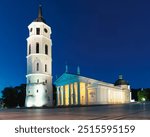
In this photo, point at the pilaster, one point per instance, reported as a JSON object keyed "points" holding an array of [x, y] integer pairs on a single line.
{"points": [[78, 91]]}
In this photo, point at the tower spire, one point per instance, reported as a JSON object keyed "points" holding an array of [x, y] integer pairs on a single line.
{"points": [[40, 17], [40, 11]]}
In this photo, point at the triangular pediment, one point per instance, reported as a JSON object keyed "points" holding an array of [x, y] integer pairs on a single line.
{"points": [[66, 78]]}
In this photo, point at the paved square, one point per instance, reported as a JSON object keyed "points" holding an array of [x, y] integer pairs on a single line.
{"points": [[134, 111]]}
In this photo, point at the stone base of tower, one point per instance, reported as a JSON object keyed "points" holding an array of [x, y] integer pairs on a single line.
{"points": [[37, 95]]}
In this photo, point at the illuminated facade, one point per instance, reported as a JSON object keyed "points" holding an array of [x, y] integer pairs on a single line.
{"points": [[73, 89], [39, 64]]}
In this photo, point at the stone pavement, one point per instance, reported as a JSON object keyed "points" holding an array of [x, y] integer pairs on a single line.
{"points": [[133, 111]]}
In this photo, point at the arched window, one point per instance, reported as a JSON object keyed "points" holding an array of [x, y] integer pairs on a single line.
{"points": [[46, 81], [29, 49], [45, 68], [37, 31], [37, 80], [37, 47], [37, 67], [31, 30], [46, 49], [46, 91], [37, 91], [45, 30]]}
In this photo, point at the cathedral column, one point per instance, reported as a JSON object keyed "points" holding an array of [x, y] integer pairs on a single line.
{"points": [[74, 95], [57, 99], [69, 86], [96, 96], [86, 94], [78, 91], [60, 96], [64, 96], [73, 92]]}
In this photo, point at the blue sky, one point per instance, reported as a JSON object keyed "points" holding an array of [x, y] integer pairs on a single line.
{"points": [[104, 37]]}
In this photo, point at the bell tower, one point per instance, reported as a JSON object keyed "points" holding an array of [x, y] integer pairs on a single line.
{"points": [[39, 64]]}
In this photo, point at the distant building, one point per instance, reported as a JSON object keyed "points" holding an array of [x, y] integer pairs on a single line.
{"points": [[74, 89]]}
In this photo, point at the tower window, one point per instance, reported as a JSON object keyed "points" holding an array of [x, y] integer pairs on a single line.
{"points": [[37, 80], [45, 81], [31, 30], [37, 31], [45, 30], [29, 49], [45, 68], [46, 91], [37, 47], [46, 49], [37, 66], [37, 91]]}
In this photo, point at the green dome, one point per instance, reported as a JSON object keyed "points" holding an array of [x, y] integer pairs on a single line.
{"points": [[121, 81]]}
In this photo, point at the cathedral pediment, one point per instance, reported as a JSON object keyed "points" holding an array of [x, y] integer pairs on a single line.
{"points": [[66, 78]]}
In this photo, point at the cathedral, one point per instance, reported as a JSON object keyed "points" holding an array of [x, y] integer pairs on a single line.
{"points": [[72, 89]]}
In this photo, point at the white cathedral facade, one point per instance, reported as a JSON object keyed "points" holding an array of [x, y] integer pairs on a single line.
{"points": [[72, 89]]}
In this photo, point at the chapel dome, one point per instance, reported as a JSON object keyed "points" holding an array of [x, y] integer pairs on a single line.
{"points": [[121, 81]]}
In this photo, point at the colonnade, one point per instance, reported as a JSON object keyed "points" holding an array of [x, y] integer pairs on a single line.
{"points": [[78, 93], [72, 94]]}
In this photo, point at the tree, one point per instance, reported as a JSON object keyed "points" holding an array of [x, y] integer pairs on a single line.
{"points": [[14, 96], [143, 95], [1, 102], [21, 90], [9, 96], [134, 94]]}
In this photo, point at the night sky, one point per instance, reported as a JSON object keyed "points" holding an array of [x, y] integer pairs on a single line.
{"points": [[104, 37]]}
